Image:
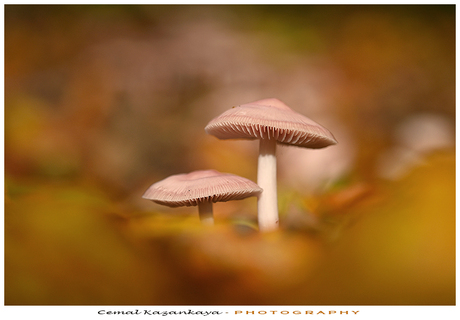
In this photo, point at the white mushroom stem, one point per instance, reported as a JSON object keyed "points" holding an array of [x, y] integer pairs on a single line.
{"points": [[205, 212], [266, 179]]}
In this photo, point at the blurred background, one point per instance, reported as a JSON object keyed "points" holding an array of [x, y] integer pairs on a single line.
{"points": [[103, 101]]}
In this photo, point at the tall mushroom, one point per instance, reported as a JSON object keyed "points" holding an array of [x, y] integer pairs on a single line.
{"points": [[201, 188], [272, 122]]}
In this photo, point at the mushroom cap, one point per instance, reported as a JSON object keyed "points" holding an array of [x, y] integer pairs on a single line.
{"points": [[189, 189], [270, 119]]}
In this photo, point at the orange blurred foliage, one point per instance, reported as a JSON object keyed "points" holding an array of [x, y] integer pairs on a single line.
{"points": [[103, 101]]}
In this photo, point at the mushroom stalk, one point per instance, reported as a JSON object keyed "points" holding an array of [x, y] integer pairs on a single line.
{"points": [[205, 212], [267, 202]]}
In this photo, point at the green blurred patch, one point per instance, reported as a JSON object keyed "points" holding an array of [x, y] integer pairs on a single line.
{"points": [[36, 142]]}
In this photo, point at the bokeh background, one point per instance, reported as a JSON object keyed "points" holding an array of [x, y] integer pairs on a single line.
{"points": [[102, 101]]}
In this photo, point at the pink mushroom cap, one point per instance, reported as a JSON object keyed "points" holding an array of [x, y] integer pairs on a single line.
{"points": [[190, 189], [270, 119]]}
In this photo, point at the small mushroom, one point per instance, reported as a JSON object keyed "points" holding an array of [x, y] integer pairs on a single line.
{"points": [[272, 122], [201, 188]]}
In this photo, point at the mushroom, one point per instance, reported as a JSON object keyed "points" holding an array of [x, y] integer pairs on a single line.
{"points": [[201, 188], [272, 122]]}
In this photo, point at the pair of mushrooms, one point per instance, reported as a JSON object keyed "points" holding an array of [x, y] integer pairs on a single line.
{"points": [[270, 121]]}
